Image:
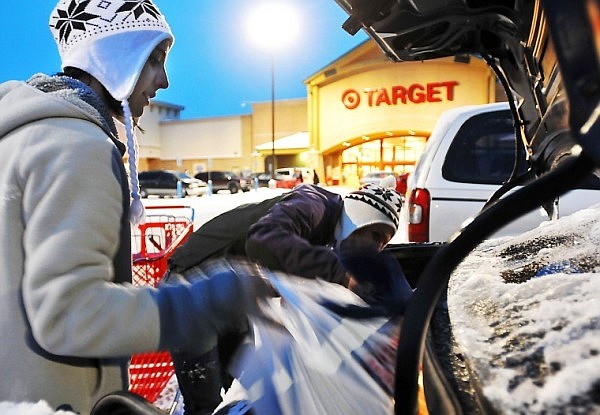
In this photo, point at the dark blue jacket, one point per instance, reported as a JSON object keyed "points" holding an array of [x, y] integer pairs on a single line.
{"points": [[293, 233], [297, 235]]}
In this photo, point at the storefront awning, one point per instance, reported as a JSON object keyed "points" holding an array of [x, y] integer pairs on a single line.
{"points": [[294, 142]]}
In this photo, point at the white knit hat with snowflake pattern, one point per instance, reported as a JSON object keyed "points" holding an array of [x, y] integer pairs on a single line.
{"points": [[111, 40], [369, 205]]}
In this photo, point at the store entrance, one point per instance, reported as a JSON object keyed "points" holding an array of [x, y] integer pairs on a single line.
{"points": [[397, 154]]}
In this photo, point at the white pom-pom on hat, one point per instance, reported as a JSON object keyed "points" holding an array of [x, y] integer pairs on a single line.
{"points": [[389, 182]]}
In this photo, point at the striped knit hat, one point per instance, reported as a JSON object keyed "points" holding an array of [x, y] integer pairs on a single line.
{"points": [[111, 40], [369, 205]]}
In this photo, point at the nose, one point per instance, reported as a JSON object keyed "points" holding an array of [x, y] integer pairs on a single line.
{"points": [[162, 80], [383, 241]]}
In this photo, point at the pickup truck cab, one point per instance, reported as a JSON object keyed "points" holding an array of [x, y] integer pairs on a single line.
{"points": [[470, 154]]}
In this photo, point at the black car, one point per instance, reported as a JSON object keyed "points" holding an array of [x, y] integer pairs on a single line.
{"points": [[165, 183], [224, 180], [262, 177]]}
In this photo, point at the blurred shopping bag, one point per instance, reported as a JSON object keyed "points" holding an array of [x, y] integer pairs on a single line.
{"points": [[303, 358]]}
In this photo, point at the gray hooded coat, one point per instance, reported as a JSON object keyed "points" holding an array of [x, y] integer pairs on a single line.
{"points": [[69, 317]]}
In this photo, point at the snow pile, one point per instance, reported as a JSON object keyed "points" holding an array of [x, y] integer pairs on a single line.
{"points": [[525, 312], [26, 408]]}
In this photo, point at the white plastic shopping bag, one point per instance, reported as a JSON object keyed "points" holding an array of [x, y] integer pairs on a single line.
{"points": [[304, 359]]}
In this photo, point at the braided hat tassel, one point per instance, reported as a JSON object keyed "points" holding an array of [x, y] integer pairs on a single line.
{"points": [[137, 213]]}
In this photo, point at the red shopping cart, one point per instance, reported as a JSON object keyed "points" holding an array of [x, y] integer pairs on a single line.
{"points": [[153, 242]]}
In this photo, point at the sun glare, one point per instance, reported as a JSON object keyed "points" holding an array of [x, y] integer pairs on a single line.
{"points": [[272, 25]]}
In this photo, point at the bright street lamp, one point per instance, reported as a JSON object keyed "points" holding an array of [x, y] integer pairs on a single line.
{"points": [[272, 25]]}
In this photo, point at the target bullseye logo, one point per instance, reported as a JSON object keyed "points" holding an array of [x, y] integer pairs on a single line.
{"points": [[351, 99]]}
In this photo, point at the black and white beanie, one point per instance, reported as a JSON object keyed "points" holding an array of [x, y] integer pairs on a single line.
{"points": [[111, 40], [369, 205]]}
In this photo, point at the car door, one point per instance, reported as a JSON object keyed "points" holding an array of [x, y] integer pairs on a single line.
{"points": [[219, 179], [147, 183], [167, 184]]}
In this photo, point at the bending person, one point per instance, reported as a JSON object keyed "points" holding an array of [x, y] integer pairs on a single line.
{"points": [[304, 232]]}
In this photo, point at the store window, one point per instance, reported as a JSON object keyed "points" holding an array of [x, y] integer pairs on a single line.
{"points": [[397, 154]]}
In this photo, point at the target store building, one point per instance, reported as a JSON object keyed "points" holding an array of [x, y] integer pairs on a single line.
{"points": [[362, 113]]}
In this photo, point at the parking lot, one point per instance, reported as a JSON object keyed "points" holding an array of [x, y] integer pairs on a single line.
{"points": [[207, 207]]}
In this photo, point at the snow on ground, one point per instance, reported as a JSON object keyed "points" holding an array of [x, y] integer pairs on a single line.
{"points": [[207, 207], [27, 408], [526, 313]]}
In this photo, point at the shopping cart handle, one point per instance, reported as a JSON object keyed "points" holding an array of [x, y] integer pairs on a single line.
{"points": [[174, 207]]}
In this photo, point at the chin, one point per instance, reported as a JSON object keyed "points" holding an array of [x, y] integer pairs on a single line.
{"points": [[137, 112]]}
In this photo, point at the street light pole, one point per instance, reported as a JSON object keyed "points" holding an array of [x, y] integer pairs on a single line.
{"points": [[272, 25], [273, 162]]}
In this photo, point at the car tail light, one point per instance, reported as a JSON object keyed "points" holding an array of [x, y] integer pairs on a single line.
{"points": [[419, 203]]}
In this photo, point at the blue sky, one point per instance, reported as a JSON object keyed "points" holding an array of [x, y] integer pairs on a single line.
{"points": [[214, 69]]}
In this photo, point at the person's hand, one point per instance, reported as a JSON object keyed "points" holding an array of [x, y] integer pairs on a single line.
{"points": [[253, 280], [364, 289], [350, 282], [377, 278], [256, 286], [211, 301]]}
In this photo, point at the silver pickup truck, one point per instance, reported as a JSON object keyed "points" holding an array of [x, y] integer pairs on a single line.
{"points": [[470, 153]]}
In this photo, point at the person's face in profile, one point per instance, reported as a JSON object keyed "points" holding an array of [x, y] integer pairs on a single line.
{"points": [[152, 78], [368, 238]]}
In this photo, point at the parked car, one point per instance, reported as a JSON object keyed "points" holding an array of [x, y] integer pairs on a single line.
{"points": [[263, 179], [165, 183], [224, 180], [287, 174], [470, 153], [375, 177], [402, 183], [285, 181]]}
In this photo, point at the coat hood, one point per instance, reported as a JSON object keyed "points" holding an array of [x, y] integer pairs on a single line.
{"points": [[52, 97]]}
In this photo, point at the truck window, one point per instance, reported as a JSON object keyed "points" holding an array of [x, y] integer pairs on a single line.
{"points": [[483, 151]]}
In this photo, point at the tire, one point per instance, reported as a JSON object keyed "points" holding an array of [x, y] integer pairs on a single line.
{"points": [[143, 193], [233, 188]]}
